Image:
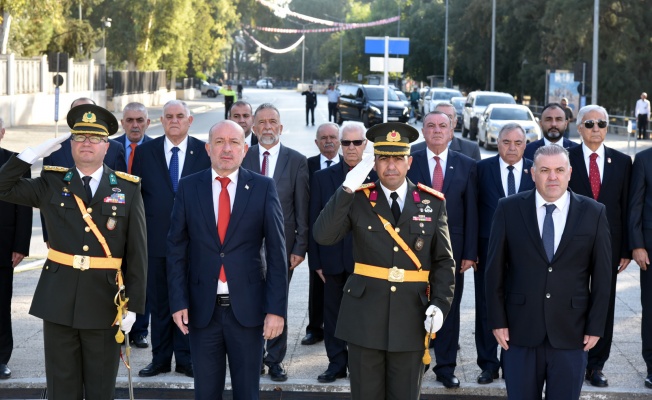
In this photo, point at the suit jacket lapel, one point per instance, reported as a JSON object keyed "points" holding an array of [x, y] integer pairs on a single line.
{"points": [[526, 179], [409, 207], [160, 163], [205, 197], [252, 159], [421, 159], [281, 162], [608, 173], [529, 215], [455, 145], [577, 159], [76, 186], [495, 172], [575, 216], [194, 146], [450, 169], [242, 195]]}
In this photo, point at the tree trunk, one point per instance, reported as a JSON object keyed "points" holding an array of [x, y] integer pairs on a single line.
{"points": [[4, 32]]}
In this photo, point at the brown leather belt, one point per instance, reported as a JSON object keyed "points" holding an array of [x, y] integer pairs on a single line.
{"points": [[391, 274], [84, 262]]}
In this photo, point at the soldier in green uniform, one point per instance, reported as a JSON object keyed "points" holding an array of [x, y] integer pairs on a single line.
{"points": [[403, 267], [97, 220]]}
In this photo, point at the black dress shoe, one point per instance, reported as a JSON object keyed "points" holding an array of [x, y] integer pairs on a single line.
{"points": [[596, 378], [311, 339], [487, 376], [449, 381], [153, 370], [139, 341], [329, 376], [185, 369], [5, 372], [277, 373], [648, 381]]}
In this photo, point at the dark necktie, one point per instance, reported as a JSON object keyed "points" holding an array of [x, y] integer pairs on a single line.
{"points": [[265, 163], [548, 233], [396, 209], [174, 168], [131, 156], [223, 216], [437, 176], [87, 188], [594, 176], [328, 163], [511, 184]]}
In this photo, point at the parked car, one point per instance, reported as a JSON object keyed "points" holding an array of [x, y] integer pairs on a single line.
{"points": [[458, 103], [436, 95], [498, 115], [265, 84], [209, 89], [476, 103], [403, 98], [365, 103]]}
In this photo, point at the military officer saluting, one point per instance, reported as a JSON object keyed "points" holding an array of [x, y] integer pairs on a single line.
{"points": [[403, 267], [96, 220]]}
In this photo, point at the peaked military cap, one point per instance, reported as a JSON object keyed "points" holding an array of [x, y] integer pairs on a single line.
{"points": [[392, 138], [89, 119]]}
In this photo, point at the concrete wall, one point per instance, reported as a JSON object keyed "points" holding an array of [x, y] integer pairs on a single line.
{"points": [[157, 98]]}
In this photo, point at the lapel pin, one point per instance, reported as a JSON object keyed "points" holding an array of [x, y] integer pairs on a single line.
{"points": [[191, 152], [247, 187], [609, 160], [451, 167], [525, 170]]}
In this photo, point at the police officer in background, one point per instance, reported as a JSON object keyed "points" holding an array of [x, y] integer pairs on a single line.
{"points": [[93, 212], [404, 268], [311, 103]]}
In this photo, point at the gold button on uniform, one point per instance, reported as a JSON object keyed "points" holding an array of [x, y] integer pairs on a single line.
{"points": [[395, 248], [48, 267], [61, 204], [89, 210], [85, 248], [393, 288], [549, 269], [113, 214], [87, 229], [114, 208], [369, 227], [397, 230]]}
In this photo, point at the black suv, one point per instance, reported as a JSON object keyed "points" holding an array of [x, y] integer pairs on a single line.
{"points": [[365, 103]]}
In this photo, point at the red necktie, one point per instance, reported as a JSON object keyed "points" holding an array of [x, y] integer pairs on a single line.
{"points": [[223, 216], [437, 176], [131, 156], [265, 163], [594, 176]]}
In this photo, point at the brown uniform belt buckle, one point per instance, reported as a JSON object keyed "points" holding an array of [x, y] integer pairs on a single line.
{"points": [[396, 275], [81, 262]]}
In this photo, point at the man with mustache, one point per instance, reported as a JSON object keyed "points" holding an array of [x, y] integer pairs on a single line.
{"points": [[553, 124]]}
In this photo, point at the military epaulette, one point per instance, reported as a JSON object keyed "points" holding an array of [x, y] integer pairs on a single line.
{"points": [[369, 185], [55, 168], [127, 177], [430, 190]]}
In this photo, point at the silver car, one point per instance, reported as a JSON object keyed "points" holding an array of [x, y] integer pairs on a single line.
{"points": [[498, 115]]}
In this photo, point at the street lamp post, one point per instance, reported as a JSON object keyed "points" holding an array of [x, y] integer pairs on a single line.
{"points": [[493, 43]]}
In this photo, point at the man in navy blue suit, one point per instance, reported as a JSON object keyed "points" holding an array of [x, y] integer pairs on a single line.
{"points": [[453, 174], [500, 176], [135, 121], [222, 294], [553, 124], [160, 163], [334, 263]]}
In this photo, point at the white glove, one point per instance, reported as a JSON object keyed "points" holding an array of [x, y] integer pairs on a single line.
{"points": [[128, 321], [31, 154], [356, 177], [434, 319]]}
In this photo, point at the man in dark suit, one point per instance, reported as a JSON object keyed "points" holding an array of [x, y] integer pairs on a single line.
{"points": [[328, 142], [160, 163], [94, 213], [334, 264], [221, 292], [603, 174], [311, 103], [548, 281], [640, 239], [553, 124], [403, 267], [15, 234], [466, 147], [453, 174], [289, 169], [500, 176], [242, 114], [135, 122]]}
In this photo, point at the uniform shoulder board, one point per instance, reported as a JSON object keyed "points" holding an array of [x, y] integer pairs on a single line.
{"points": [[369, 185], [430, 190], [127, 177], [55, 168]]}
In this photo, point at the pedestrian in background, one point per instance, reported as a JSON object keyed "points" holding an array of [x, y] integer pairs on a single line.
{"points": [[333, 97], [311, 103], [569, 116], [642, 114], [230, 97]]}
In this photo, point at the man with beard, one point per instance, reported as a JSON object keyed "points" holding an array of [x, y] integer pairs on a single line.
{"points": [[242, 114], [553, 124]]}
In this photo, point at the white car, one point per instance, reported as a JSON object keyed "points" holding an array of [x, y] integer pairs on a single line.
{"points": [[436, 95], [498, 115], [476, 104], [265, 84], [209, 89]]}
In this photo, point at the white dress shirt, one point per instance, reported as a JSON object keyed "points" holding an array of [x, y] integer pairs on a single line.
{"points": [[560, 142], [401, 191], [600, 160], [248, 139], [559, 216], [642, 107], [272, 158], [504, 173], [95, 178], [183, 147], [223, 287], [443, 156]]}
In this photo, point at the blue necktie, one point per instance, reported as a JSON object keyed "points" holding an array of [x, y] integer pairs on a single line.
{"points": [[174, 168], [548, 234], [511, 185]]}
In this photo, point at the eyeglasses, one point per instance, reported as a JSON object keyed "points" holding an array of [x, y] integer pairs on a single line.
{"points": [[347, 143], [92, 139], [589, 123]]}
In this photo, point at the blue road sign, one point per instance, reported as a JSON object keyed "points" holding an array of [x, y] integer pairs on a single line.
{"points": [[397, 46]]}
